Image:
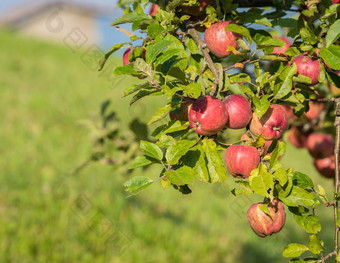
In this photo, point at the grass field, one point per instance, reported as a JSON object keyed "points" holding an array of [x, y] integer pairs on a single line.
{"points": [[49, 215]]}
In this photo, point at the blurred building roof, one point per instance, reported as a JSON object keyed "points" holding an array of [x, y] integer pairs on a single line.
{"points": [[22, 14]]}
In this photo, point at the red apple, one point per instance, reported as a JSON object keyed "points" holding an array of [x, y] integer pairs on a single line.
{"points": [[153, 10], [289, 111], [264, 225], [218, 39], [197, 10], [208, 115], [326, 166], [271, 125], [315, 108], [238, 110], [126, 56], [335, 2], [335, 90], [297, 138], [240, 160], [282, 50], [308, 67], [320, 145], [181, 113]]}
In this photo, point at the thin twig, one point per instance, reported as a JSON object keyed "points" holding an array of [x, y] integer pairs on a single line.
{"points": [[203, 47]]}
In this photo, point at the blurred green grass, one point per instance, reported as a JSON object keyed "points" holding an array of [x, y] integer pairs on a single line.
{"points": [[48, 215]]}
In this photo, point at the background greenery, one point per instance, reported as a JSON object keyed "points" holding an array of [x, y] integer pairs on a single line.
{"points": [[47, 214]]}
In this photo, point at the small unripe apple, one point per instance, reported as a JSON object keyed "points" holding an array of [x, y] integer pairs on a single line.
{"points": [[271, 125], [320, 145], [207, 115], [308, 67], [282, 50], [238, 110], [197, 10], [218, 39], [264, 225], [181, 113], [240, 160], [315, 109], [297, 138], [126, 56], [326, 166], [153, 10]]}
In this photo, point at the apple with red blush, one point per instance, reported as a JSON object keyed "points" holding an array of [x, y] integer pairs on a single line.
{"points": [[308, 67], [297, 138], [238, 110], [271, 125], [218, 39], [181, 113], [153, 10], [264, 225], [326, 166], [320, 145], [315, 109], [207, 114], [240, 160], [282, 50]]}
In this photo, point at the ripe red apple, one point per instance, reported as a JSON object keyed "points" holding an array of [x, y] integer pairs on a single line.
{"points": [[208, 115], [126, 56], [297, 138], [181, 113], [326, 166], [308, 67], [282, 50], [320, 145], [238, 110], [218, 39], [264, 225], [271, 125], [153, 10], [289, 111], [240, 160], [315, 108], [197, 10], [335, 2]]}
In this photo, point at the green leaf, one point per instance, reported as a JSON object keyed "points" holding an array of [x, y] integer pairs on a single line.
{"points": [[308, 36], [160, 114], [154, 30], [125, 70], [183, 175], [193, 90], [130, 17], [264, 208], [286, 87], [239, 30], [261, 181], [273, 58], [141, 160], [151, 150], [331, 56], [294, 250], [215, 164], [173, 126], [303, 181], [281, 175], [315, 244], [261, 105], [154, 50], [137, 184], [299, 196], [244, 188], [338, 218], [333, 33], [279, 150], [177, 150], [107, 55], [201, 169]]}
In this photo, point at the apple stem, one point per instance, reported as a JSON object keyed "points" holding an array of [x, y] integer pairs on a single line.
{"points": [[203, 47]]}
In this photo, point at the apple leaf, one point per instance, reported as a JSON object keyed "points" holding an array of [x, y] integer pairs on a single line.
{"points": [[195, 158], [177, 150], [183, 175], [333, 33], [216, 167], [130, 17], [261, 181], [333, 79], [239, 30], [160, 114], [287, 84], [302, 180], [279, 150], [137, 184], [281, 175], [125, 70], [151, 150], [294, 250], [261, 105], [155, 49], [244, 188], [154, 30], [331, 56], [172, 126], [193, 90], [315, 244], [141, 160], [299, 196]]}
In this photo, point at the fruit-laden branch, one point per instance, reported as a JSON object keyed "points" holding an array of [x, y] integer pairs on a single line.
{"points": [[203, 47], [253, 3]]}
